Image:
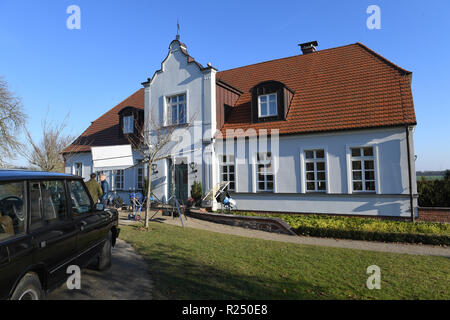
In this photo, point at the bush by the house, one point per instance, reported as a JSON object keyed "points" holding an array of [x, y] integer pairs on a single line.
{"points": [[434, 193], [365, 228], [196, 192]]}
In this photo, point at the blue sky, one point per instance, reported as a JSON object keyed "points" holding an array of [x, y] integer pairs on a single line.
{"points": [[121, 43]]}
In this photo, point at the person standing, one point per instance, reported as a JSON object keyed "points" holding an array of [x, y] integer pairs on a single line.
{"points": [[105, 188], [94, 188]]}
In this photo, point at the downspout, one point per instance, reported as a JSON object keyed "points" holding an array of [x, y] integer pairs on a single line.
{"points": [[411, 196]]}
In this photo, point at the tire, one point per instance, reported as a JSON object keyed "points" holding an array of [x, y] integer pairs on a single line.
{"points": [[29, 288], [103, 262]]}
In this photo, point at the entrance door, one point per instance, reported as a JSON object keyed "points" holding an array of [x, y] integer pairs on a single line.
{"points": [[181, 182]]}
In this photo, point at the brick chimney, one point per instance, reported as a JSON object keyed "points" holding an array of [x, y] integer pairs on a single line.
{"points": [[308, 47]]}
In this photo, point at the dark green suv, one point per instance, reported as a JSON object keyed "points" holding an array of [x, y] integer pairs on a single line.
{"points": [[49, 222]]}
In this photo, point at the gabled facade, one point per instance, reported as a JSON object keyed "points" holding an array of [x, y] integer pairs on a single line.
{"points": [[326, 131]]}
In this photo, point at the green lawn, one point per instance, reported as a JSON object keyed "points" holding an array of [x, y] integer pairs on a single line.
{"points": [[196, 264]]}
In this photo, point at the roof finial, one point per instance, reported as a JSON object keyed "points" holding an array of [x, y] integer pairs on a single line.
{"points": [[178, 31]]}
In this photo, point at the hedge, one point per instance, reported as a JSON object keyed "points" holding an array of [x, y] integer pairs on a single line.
{"points": [[357, 228]]}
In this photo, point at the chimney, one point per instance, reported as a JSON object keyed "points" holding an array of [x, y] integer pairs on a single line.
{"points": [[309, 47]]}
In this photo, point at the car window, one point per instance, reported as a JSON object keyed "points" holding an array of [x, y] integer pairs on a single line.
{"points": [[81, 203], [12, 209], [48, 203]]}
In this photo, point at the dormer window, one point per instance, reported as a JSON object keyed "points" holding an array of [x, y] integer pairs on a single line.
{"points": [[267, 105], [270, 101], [128, 124]]}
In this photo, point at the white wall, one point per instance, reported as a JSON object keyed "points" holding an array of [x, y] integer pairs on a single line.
{"points": [[177, 76], [391, 198]]}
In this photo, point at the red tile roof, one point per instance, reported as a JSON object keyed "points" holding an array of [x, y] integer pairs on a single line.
{"points": [[105, 131], [347, 87]]}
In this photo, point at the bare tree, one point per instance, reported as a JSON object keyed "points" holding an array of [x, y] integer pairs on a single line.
{"points": [[12, 120], [46, 154], [156, 141]]}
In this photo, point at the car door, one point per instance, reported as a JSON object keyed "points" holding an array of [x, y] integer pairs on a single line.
{"points": [[53, 233], [15, 244], [92, 224]]}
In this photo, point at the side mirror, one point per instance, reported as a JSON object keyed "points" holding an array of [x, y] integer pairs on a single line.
{"points": [[99, 207]]}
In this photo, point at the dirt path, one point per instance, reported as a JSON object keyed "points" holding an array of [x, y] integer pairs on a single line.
{"points": [[127, 279]]}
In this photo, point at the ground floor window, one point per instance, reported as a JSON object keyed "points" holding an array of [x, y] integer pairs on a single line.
{"points": [[140, 178], [363, 169], [264, 163], [227, 171], [79, 169], [315, 171], [119, 179]]}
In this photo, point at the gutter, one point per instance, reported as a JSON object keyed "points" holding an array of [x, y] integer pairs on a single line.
{"points": [[411, 196]]}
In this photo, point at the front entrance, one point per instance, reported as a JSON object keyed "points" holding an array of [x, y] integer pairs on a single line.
{"points": [[181, 182]]}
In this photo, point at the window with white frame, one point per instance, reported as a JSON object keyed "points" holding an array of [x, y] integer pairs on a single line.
{"points": [[140, 177], [119, 179], [79, 169], [315, 171], [128, 124], [176, 109], [227, 172], [363, 169], [267, 105], [264, 167]]}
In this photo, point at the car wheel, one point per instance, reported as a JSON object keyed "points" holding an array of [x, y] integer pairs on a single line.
{"points": [[29, 288], [104, 259]]}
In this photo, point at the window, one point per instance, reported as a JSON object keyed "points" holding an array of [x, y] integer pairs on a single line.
{"points": [[140, 178], [264, 172], [81, 202], [267, 105], [12, 209], [99, 173], [47, 203], [119, 177], [227, 172], [176, 110], [128, 124], [363, 169], [79, 169], [315, 172]]}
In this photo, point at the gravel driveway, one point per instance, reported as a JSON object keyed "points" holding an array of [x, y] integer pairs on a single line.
{"points": [[127, 279]]}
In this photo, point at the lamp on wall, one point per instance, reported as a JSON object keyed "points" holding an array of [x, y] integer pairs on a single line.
{"points": [[193, 166], [154, 167]]}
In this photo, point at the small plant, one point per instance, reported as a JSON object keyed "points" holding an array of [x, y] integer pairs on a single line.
{"points": [[196, 192]]}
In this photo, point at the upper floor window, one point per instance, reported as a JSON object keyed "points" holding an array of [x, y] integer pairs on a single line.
{"points": [[128, 124], [316, 180], [267, 105], [176, 109], [363, 169], [264, 171], [227, 170]]}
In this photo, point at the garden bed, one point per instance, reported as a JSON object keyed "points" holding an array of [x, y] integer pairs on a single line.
{"points": [[357, 228]]}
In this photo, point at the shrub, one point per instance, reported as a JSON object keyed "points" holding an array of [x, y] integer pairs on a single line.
{"points": [[357, 228], [434, 193], [196, 191]]}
